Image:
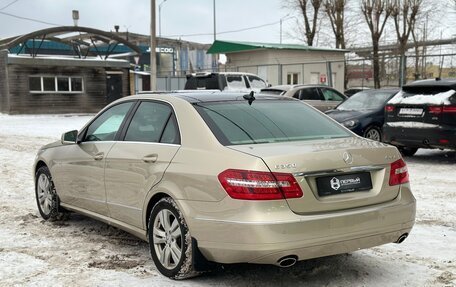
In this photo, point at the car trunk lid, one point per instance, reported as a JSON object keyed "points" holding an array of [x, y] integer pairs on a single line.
{"points": [[315, 163]]}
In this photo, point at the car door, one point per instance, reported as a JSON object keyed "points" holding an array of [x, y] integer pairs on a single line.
{"points": [[79, 170], [311, 96], [136, 164], [332, 98]]}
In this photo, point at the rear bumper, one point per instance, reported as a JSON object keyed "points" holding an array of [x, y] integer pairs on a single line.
{"points": [[430, 137], [255, 240]]}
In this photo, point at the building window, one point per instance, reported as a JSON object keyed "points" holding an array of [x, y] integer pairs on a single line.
{"points": [[76, 84], [292, 78], [63, 84], [49, 84], [35, 84]]}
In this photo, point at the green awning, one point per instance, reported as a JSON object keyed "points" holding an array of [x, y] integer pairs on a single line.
{"points": [[223, 47]]}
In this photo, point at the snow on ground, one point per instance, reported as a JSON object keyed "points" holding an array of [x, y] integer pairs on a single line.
{"points": [[84, 252]]}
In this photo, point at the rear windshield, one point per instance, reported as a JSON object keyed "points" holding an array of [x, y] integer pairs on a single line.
{"points": [[202, 83], [272, 92], [267, 121], [424, 90]]}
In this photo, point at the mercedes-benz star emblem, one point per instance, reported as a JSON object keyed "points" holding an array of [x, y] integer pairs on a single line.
{"points": [[347, 157]]}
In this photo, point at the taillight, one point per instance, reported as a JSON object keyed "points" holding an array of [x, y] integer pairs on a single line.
{"points": [[449, 109], [398, 173], [442, 109], [389, 109], [435, 110], [259, 185]]}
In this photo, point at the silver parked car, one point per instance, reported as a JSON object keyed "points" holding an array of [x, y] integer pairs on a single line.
{"points": [[321, 97], [227, 178]]}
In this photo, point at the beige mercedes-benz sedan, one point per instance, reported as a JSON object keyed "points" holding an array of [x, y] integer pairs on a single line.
{"points": [[228, 178]]}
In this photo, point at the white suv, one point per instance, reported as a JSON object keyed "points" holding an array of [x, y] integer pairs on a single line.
{"points": [[227, 81]]}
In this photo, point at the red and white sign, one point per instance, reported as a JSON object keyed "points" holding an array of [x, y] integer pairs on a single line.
{"points": [[322, 78]]}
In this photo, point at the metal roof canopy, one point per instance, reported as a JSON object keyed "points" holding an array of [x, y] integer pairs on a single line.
{"points": [[223, 47], [83, 44]]}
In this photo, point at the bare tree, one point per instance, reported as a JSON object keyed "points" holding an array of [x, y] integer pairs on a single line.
{"points": [[376, 13], [309, 10], [335, 10], [404, 13]]}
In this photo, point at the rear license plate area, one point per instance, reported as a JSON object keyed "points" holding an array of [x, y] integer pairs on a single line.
{"points": [[411, 112], [345, 183]]}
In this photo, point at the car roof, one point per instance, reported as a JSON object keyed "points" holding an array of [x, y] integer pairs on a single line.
{"points": [[203, 97], [205, 74], [433, 82], [373, 91], [289, 87]]}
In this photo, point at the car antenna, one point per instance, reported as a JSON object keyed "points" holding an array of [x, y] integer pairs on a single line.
{"points": [[250, 97]]}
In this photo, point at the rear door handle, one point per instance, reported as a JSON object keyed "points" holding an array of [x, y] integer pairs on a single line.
{"points": [[151, 158], [98, 156]]}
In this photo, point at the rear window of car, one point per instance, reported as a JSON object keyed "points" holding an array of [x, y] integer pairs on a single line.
{"points": [[425, 95], [267, 121], [424, 90], [272, 92], [202, 83]]}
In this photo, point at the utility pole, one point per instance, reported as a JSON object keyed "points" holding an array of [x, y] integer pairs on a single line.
{"points": [[281, 30], [153, 45], [215, 30]]}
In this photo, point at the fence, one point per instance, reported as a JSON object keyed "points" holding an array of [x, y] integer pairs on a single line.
{"points": [[170, 83], [360, 71]]}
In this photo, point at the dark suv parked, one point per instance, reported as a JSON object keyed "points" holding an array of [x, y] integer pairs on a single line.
{"points": [[422, 115]]}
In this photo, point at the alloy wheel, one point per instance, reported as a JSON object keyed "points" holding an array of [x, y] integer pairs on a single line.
{"points": [[167, 239], [45, 196], [373, 134]]}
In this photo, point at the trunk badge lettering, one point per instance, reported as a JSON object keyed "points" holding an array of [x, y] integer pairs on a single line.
{"points": [[285, 166], [347, 157]]}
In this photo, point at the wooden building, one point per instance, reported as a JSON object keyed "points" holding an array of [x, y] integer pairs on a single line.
{"points": [[77, 76], [53, 85]]}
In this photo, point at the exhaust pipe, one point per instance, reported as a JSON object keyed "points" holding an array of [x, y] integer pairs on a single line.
{"points": [[287, 261], [401, 238]]}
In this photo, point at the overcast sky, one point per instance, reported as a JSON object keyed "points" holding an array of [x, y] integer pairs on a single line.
{"points": [[179, 17]]}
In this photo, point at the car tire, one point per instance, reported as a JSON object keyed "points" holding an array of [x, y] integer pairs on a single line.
{"points": [[373, 133], [170, 241], [46, 196], [408, 151]]}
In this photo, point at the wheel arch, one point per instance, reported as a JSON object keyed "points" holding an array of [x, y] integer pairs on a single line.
{"points": [[152, 201], [374, 124], [40, 163]]}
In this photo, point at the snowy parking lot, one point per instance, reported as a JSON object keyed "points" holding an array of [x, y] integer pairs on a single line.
{"points": [[81, 251]]}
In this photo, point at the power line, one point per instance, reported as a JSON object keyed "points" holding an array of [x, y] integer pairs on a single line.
{"points": [[231, 31], [6, 6], [29, 19]]}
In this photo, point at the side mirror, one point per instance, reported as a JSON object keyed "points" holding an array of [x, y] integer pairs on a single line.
{"points": [[69, 137]]}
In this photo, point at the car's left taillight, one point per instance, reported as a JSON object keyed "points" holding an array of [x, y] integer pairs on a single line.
{"points": [[398, 173], [259, 185]]}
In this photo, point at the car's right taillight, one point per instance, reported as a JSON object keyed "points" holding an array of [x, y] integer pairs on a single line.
{"points": [[442, 109], [449, 109], [389, 108], [259, 185], [398, 173]]}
